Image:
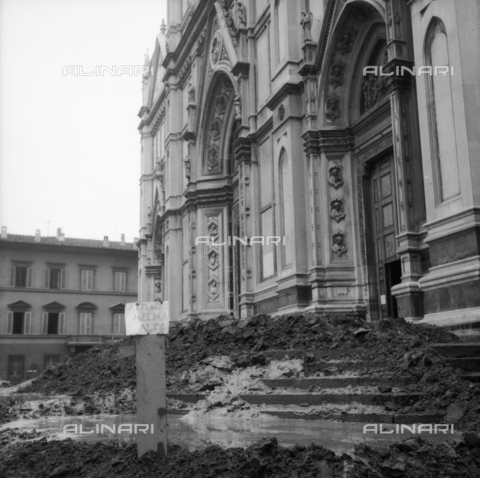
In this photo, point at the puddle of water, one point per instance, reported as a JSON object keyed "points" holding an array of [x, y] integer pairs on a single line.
{"points": [[197, 433]]}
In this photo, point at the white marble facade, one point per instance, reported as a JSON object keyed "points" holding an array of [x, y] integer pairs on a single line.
{"points": [[260, 120]]}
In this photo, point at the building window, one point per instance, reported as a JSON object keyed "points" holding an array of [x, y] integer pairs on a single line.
{"points": [[53, 323], [50, 360], [21, 276], [441, 115], [87, 279], [286, 201], [86, 323], [118, 324], [120, 281], [55, 278], [19, 323], [267, 208], [263, 66]]}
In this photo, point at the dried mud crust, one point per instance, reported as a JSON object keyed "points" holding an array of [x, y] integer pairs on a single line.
{"points": [[228, 356], [412, 458]]}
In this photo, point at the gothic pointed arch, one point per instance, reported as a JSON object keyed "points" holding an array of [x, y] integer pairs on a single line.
{"points": [[359, 32], [216, 125]]}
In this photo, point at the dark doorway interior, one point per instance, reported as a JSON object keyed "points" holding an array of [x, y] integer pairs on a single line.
{"points": [[393, 272]]}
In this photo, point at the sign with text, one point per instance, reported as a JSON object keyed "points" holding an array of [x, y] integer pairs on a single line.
{"points": [[145, 318]]}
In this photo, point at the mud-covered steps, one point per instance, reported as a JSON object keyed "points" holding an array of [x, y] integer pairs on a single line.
{"points": [[462, 355]]}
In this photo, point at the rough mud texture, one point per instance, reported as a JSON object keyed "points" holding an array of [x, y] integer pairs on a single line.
{"points": [[411, 458], [226, 357], [244, 342]]}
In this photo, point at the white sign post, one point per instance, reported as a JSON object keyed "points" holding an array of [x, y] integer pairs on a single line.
{"points": [[149, 322]]}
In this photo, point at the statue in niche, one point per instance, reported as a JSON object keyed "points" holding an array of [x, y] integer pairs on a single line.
{"points": [[238, 108], [213, 288], [191, 94], [332, 108], [337, 72], [215, 50], [346, 41], [338, 243], [281, 112], [306, 23], [337, 212], [213, 230], [213, 260], [335, 176], [221, 104], [186, 162], [215, 130], [241, 15], [212, 160]]}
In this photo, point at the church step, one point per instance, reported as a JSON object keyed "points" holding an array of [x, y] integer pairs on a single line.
{"points": [[458, 350], [471, 364], [386, 417], [400, 399], [337, 382]]}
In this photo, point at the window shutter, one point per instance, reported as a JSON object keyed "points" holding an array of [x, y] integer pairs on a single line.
{"points": [[61, 323], [29, 277], [90, 280], [82, 324], [116, 324], [28, 323], [117, 285], [45, 323], [12, 276], [9, 322], [46, 280], [123, 282], [84, 281], [63, 279], [88, 324], [122, 324]]}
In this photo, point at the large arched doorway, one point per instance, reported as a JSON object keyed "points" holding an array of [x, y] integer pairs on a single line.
{"points": [[371, 170], [220, 211]]}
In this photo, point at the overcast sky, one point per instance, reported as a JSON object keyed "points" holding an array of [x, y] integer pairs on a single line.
{"points": [[69, 145]]}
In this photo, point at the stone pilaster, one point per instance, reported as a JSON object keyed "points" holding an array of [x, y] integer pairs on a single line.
{"points": [[243, 157]]}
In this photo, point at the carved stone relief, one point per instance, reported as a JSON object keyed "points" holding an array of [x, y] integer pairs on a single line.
{"points": [[347, 40], [337, 210], [335, 176], [332, 107], [339, 243], [337, 73]]}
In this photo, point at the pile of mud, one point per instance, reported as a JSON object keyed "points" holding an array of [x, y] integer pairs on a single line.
{"points": [[226, 356], [411, 458], [108, 369]]}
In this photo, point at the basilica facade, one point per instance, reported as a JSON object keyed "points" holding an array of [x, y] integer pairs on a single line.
{"points": [[313, 155]]}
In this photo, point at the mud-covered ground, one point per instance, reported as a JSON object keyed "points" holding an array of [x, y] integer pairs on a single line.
{"points": [[413, 458], [223, 358]]}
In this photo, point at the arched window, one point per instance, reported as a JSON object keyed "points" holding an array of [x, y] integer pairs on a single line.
{"points": [[166, 275], [286, 200], [280, 31], [441, 114]]}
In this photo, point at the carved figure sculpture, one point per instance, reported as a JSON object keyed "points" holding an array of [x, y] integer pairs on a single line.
{"points": [[337, 71], [332, 108], [336, 210], [241, 15], [338, 244], [335, 176], [306, 23]]}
